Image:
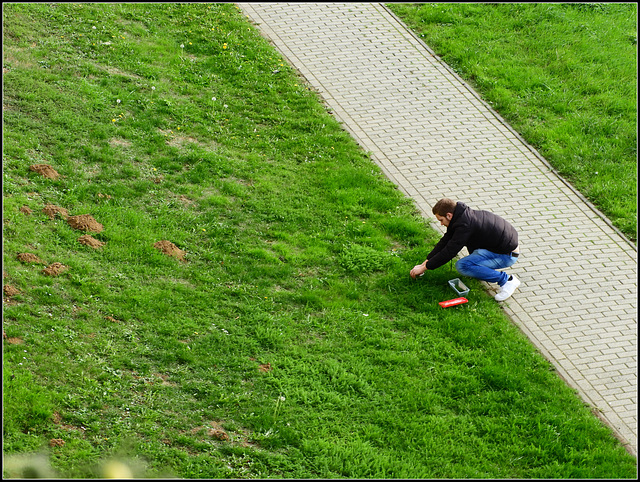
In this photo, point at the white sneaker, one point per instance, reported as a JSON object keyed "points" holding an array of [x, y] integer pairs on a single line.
{"points": [[508, 288]]}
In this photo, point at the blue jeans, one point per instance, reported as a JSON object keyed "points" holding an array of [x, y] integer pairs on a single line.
{"points": [[483, 264]]}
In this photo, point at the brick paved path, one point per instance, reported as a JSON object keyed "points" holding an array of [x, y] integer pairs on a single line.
{"points": [[434, 137]]}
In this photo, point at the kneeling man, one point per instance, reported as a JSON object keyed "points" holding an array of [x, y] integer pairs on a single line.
{"points": [[492, 243]]}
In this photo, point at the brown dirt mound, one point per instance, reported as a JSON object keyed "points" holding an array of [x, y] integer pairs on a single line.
{"points": [[26, 210], [90, 241], [10, 291], [55, 269], [45, 170], [29, 258], [186, 200], [85, 222], [218, 434], [170, 249], [51, 210], [15, 341]]}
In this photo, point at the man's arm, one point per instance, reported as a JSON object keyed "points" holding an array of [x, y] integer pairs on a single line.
{"points": [[419, 269]]}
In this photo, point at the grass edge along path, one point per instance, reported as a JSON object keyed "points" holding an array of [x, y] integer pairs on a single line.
{"points": [[564, 76]]}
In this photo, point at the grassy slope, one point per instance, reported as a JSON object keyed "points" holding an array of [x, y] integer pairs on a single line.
{"points": [[270, 334]]}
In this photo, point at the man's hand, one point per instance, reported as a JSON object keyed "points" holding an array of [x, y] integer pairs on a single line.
{"points": [[418, 270]]}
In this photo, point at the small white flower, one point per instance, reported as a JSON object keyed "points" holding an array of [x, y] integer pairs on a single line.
{"points": [[226, 105], [365, 314], [153, 87], [94, 27], [118, 101], [281, 398], [213, 98], [181, 46]]}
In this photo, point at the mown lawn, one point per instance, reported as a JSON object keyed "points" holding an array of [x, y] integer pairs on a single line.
{"points": [[240, 306]]}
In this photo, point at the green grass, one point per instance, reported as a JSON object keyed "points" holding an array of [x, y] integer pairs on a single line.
{"points": [[291, 342], [563, 75]]}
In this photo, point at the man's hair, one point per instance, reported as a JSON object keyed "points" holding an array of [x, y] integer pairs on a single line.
{"points": [[444, 206]]}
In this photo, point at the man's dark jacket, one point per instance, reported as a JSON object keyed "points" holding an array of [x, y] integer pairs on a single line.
{"points": [[473, 229]]}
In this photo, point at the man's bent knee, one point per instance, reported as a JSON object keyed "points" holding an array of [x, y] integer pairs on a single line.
{"points": [[462, 266]]}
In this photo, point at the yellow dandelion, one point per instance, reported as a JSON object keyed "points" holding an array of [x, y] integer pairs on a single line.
{"points": [[113, 120]]}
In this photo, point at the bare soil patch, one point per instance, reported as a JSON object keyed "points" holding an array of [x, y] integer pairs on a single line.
{"points": [[26, 210], [55, 269], [57, 419], [29, 258], [45, 170], [165, 380], [85, 222], [10, 291], [217, 432], [119, 142], [90, 241], [170, 249], [51, 210]]}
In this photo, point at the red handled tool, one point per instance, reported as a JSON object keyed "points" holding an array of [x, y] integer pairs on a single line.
{"points": [[453, 302]]}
